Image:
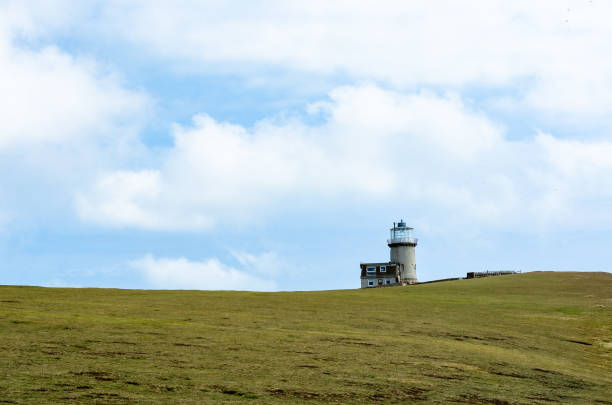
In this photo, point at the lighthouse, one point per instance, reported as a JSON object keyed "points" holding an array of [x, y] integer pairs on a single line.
{"points": [[402, 245], [401, 267]]}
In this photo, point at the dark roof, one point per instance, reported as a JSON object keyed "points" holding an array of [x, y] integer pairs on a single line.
{"points": [[378, 264], [392, 270]]}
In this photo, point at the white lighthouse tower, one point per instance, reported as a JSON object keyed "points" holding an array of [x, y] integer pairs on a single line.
{"points": [[402, 244]]}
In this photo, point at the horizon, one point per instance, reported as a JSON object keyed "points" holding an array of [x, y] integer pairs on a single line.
{"points": [[286, 291]]}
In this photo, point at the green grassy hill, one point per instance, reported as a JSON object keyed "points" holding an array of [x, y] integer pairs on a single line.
{"points": [[530, 338]]}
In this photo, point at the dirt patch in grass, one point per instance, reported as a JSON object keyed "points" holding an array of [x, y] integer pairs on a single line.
{"points": [[463, 337], [507, 374], [123, 342], [231, 391], [580, 342], [554, 379], [348, 341], [101, 397], [477, 399], [190, 345], [542, 398], [412, 394], [119, 354], [445, 377], [44, 389], [98, 375]]}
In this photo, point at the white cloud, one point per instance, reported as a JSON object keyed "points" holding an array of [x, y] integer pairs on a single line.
{"points": [[576, 186], [416, 150], [558, 50], [208, 274], [49, 96], [266, 263], [127, 198], [62, 117]]}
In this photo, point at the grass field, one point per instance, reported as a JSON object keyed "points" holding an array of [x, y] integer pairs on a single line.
{"points": [[520, 339]]}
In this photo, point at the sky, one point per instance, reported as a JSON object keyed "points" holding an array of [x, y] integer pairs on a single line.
{"points": [[271, 145]]}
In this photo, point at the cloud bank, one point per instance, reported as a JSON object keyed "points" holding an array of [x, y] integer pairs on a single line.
{"points": [[209, 274], [419, 150], [551, 56]]}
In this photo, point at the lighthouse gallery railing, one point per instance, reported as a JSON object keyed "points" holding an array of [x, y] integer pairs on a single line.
{"points": [[403, 240]]}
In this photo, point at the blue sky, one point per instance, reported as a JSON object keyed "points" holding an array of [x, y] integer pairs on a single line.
{"points": [[270, 146]]}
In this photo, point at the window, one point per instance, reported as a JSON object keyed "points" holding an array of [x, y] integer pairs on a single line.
{"points": [[388, 282], [383, 269], [371, 269], [370, 283]]}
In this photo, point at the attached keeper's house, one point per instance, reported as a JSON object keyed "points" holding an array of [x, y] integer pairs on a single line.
{"points": [[379, 274]]}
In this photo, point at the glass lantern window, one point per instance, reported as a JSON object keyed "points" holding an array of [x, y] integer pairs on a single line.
{"points": [[401, 233]]}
